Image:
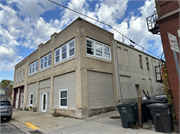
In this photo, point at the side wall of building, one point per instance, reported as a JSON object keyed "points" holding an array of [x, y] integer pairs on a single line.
{"points": [[132, 77]]}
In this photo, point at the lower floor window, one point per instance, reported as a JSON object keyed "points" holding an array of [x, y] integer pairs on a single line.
{"points": [[63, 98], [31, 99]]}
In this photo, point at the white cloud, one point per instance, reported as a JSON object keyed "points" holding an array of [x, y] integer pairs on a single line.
{"points": [[26, 28]]}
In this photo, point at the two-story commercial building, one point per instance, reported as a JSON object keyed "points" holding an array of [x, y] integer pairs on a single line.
{"points": [[82, 71]]}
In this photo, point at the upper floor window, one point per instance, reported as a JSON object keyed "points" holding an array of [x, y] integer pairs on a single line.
{"points": [[71, 48], [45, 61], [98, 49], [140, 61], [64, 52], [33, 67], [23, 74], [17, 77], [20, 76], [147, 63]]}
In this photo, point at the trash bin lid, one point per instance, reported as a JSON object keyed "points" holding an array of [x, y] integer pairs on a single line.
{"points": [[151, 101], [126, 105], [159, 105]]}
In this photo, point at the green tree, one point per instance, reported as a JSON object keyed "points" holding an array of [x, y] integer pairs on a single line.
{"points": [[6, 83]]}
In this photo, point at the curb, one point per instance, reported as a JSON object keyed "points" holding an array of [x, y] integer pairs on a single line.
{"points": [[31, 126]]}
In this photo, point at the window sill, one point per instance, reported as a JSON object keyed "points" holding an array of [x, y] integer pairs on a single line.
{"points": [[63, 107], [98, 58], [58, 63], [45, 69], [32, 74]]}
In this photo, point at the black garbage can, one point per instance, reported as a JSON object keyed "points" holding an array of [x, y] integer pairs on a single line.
{"points": [[127, 114], [162, 117], [145, 109]]}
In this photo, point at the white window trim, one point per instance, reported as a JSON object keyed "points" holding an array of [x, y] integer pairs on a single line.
{"points": [[94, 48], [48, 66], [67, 47], [60, 98], [19, 76], [32, 68], [71, 48], [16, 77], [30, 100], [67, 52], [23, 74]]}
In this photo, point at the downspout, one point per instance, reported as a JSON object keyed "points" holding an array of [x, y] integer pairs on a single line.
{"points": [[118, 74]]}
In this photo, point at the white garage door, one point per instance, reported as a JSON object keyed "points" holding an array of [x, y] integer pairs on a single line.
{"points": [[100, 89]]}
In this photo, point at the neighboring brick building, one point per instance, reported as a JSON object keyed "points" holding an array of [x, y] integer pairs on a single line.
{"points": [[168, 22]]}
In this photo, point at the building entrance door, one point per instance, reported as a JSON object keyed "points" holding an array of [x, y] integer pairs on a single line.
{"points": [[44, 102], [16, 104], [22, 99]]}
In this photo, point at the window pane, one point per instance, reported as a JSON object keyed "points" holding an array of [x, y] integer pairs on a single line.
{"points": [[63, 94], [45, 64], [45, 59], [41, 61], [31, 101], [106, 56], [44, 101], [31, 96], [36, 68], [63, 102], [57, 58], [41, 66], [89, 43], [36, 63], [63, 49], [49, 62], [98, 47], [57, 52], [64, 56], [71, 45], [90, 50], [98, 53], [71, 52], [30, 66], [106, 49], [49, 58]]}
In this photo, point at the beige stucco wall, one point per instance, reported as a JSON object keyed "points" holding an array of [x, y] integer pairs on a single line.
{"points": [[56, 41], [79, 30], [131, 74], [89, 63], [80, 64]]}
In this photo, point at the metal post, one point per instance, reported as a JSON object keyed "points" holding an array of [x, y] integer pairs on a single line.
{"points": [[177, 65], [140, 112], [139, 108]]}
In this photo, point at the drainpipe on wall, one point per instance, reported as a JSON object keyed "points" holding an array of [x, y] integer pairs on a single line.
{"points": [[117, 66]]}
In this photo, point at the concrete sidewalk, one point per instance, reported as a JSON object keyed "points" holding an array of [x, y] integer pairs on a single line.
{"points": [[97, 124]]}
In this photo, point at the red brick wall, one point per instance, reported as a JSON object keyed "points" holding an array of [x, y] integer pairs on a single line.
{"points": [[171, 25], [167, 6]]}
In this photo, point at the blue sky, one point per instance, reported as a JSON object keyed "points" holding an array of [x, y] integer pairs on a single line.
{"points": [[24, 24]]}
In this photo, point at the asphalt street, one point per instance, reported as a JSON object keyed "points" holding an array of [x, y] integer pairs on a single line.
{"points": [[13, 127]]}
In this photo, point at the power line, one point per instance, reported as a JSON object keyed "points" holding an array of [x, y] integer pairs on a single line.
{"points": [[104, 24], [116, 11]]}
